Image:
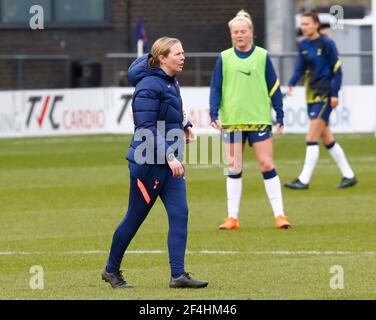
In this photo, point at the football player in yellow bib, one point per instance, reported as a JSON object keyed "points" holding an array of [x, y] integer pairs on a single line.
{"points": [[243, 88]]}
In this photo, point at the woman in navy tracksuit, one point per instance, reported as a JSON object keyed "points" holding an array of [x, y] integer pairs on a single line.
{"points": [[155, 156]]}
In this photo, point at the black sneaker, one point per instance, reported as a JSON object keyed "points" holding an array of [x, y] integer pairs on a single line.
{"points": [[115, 279], [185, 281], [347, 182], [297, 185]]}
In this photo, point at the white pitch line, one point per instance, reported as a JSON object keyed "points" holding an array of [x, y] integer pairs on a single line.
{"points": [[19, 253], [218, 252], [213, 252], [106, 252], [86, 252], [305, 252]]}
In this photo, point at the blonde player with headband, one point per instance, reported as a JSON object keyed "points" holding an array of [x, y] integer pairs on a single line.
{"points": [[243, 87]]}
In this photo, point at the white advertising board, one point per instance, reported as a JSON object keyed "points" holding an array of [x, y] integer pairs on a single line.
{"points": [[108, 110]]}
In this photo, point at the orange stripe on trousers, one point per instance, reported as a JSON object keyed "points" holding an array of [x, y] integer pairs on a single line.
{"points": [[143, 190]]}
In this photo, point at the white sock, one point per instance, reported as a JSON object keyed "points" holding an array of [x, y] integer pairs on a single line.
{"points": [[234, 192], [273, 190], [312, 155], [339, 157]]}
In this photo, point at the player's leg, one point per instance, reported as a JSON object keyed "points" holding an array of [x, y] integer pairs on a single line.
{"points": [[174, 197], [234, 146], [142, 196], [338, 155], [264, 156], [316, 126]]}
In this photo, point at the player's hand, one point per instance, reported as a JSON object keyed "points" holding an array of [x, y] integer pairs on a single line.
{"points": [[190, 135], [279, 129], [176, 168], [216, 124], [334, 102], [290, 90]]}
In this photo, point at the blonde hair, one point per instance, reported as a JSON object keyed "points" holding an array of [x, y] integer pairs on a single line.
{"points": [[242, 16], [161, 47]]}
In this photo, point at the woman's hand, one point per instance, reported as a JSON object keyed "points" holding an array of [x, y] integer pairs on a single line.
{"points": [[216, 124], [334, 102], [279, 129], [176, 168], [190, 135]]}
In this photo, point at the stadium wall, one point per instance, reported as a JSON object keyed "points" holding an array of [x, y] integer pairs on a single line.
{"points": [[32, 113], [201, 25]]}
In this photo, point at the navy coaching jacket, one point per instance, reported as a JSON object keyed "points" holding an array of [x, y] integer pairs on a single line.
{"points": [[157, 114]]}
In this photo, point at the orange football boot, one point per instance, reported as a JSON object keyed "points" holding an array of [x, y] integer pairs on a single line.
{"points": [[282, 222], [230, 224]]}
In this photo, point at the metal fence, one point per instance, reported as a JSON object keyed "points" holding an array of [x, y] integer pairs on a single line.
{"points": [[194, 58], [357, 66], [22, 58]]}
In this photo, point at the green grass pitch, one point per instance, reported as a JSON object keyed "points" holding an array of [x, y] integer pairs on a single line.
{"points": [[62, 198]]}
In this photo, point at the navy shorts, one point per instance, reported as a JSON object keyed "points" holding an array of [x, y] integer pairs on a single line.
{"points": [[243, 136], [320, 110]]}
